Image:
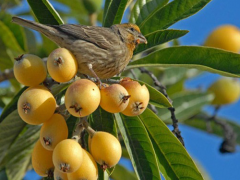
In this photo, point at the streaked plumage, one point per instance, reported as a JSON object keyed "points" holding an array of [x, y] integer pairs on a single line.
{"points": [[108, 50]]}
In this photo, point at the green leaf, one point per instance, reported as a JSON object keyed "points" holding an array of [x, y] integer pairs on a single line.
{"points": [[160, 37], [10, 128], [170, 14], [199, 122], [101, 120], [120, 173], [186, 105], [139, 147], [145, 8], [113, 12], [3, 175], [8, 39], [156, 97], [175, 162], [17, 30], [12, 105], [102, 175], [204, 58], [19, 155], [44, 12], [71, 123], [31, 41]]}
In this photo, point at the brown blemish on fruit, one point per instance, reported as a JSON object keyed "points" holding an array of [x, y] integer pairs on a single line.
{"points": [[47, 141], [77, 108], [58, 61], [26, 107], [19, 57], [64, 167], [104, 166], [125, 98]]}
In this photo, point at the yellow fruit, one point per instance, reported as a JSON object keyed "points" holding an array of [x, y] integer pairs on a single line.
{"points": [[82, 98], [62, 65], [42, 160], [58, 175], [36, 105], [29, 70], [226, 91], [114, 98], [88, 170], [105, 149], [67, 156], [53, 131], [226, 37], [139, 97]]}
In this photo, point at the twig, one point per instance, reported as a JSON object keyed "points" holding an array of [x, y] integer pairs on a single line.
{"points": [[162, 89], [78, 130], [229, 142], [6, 74]]}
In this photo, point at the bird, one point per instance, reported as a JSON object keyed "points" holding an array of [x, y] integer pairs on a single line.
{"points": [[101, 52]]}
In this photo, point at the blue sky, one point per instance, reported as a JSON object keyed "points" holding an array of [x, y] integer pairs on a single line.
{"points": [[202, 146]]}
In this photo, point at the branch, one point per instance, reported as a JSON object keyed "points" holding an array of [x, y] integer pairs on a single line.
{"points": [[229, 142], [175, 130], [6, 74]]}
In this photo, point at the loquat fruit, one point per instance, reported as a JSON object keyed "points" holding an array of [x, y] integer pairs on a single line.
{"points": [[82, 98], [67, 156], [29, 70], [139, 97], [36, 105], [62, 65], [42, 160], [53, 131]]}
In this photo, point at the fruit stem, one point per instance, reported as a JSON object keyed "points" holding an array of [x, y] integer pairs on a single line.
{"points": [[78, 130], [90, 131]]}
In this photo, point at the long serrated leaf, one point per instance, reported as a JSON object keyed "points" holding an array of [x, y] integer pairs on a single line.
{"points": [[139, 147], [19, 155], [175, 162], [186, 105], [44, 12], [10, 128], [170, 14], [12, 105], [113, 12], [160, 37], [144, 8], [203, 58]]}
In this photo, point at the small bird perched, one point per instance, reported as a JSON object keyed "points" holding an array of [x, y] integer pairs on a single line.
{"points": [[101, 52]]}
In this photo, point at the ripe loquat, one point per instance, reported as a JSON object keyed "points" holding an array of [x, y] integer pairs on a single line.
{"points": [[225, 90], [29, 70], [82, 98], [62, 65], [42, 160], [105, 149], [88, 170], [139, 97], [67, 156], [53, 131], [226, 37], [114, 98], [36, 105]]}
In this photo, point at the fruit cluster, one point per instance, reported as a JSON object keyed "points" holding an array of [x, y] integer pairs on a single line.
{"points": [[37, 105]]}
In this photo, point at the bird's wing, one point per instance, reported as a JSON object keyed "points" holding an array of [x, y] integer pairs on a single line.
{"points": [[100, 36]]}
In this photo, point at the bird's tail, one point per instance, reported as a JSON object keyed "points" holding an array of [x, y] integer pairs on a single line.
{"points": [[45, 29]]}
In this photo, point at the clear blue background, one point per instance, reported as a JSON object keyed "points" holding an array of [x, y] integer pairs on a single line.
{"points": [[203, 147]]}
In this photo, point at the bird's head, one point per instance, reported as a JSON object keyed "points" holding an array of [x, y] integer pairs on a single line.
{"points": [[130, 34]]}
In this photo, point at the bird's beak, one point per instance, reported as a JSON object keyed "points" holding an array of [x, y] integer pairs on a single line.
{"points": [[142, 39]]}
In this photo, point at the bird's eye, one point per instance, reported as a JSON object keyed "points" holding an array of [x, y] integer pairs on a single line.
{"points": [[132, 29]]}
